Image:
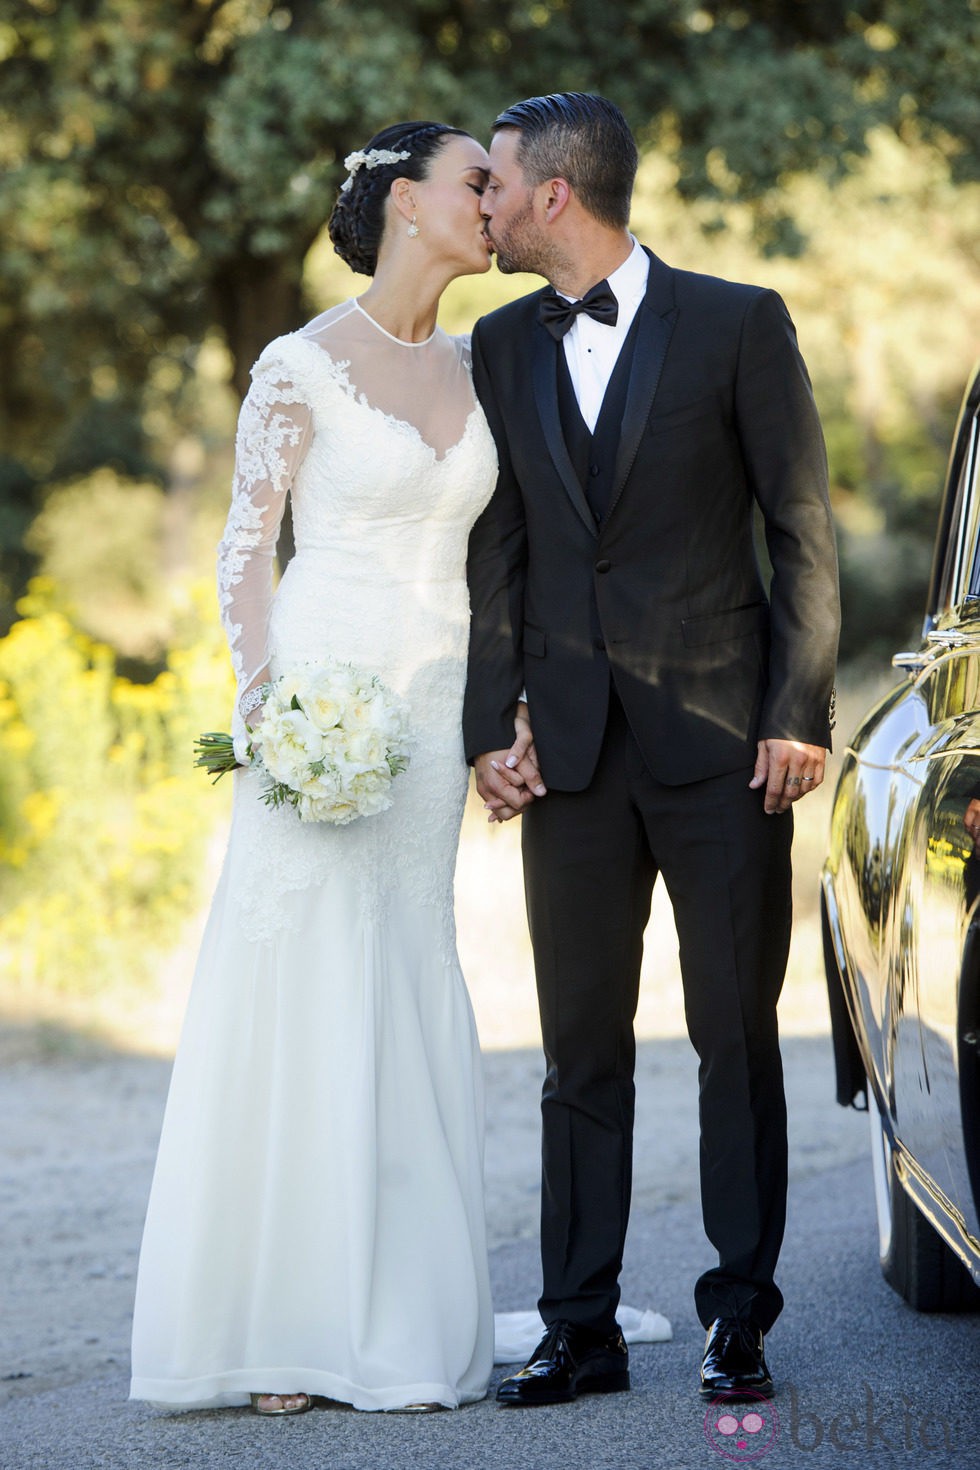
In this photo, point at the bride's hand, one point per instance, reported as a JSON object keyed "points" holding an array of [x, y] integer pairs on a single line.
{"points": [[519, 769], [242, 742]]}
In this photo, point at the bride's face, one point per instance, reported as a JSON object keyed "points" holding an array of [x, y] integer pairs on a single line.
{"points": [[448, 203]]}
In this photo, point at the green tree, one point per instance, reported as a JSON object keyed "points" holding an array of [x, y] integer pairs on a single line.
{"points": [[166, 164]]}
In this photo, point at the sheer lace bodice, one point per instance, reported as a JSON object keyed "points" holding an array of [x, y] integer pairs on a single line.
{"points": [[388, 460], [330, 409]]}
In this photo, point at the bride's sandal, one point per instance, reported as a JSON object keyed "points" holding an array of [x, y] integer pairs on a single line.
{"points": [[269, 1413]]}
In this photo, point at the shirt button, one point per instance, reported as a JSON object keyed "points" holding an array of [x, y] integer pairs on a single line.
{"points": [[603, 566], [593, 470], [600, 644]]}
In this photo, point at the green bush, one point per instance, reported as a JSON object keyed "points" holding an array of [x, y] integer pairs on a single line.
{"points": [[103, 819]]}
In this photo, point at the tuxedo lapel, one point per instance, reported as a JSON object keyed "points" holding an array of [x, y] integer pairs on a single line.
{"points": [[658, 315], [544, 373]]}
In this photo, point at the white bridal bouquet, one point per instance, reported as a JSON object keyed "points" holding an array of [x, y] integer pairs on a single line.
{"points": [[330, 743]]}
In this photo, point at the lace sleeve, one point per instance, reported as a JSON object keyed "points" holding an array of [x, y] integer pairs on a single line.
{"points": [[273, 436]]}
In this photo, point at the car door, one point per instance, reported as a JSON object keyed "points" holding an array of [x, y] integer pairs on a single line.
{"points": [[931, 903]]}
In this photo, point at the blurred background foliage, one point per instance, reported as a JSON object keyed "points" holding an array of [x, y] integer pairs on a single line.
{"points": [[103, 821], [166, 168]]}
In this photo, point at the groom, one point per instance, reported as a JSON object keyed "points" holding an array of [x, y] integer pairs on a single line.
{"points": [[642, 415]]}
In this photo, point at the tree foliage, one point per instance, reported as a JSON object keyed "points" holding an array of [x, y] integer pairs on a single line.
{"points": [[166, 164]]}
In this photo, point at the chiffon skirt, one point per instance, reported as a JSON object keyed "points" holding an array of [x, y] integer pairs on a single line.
{"points": [[316, 1220]]}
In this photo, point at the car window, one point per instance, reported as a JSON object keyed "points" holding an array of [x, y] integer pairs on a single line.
{"points": [[971, 491], [958, 550]]}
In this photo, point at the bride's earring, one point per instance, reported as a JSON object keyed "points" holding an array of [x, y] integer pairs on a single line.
{"points": [[413, 229]]}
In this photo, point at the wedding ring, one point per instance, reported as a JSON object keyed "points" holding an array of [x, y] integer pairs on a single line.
{"points": [[807, 778]]}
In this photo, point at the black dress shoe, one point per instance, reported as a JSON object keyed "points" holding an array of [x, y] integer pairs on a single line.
{"points": [[734, 1362], [569, 1360]]}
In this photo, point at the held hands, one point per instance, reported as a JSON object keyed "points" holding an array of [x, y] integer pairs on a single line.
{"points": [[788, 769], [509, 780]]}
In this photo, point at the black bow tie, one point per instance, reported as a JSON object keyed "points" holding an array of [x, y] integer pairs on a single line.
{"points": [[557, 314]]}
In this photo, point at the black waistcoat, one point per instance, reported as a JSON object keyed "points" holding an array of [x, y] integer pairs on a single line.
{"points": [[594, 455]]}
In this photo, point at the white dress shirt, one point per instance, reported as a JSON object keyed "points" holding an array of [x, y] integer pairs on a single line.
{"points": [[591, 347]]}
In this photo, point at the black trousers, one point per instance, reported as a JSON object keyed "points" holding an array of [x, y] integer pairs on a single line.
{"points": [[590, 861]]}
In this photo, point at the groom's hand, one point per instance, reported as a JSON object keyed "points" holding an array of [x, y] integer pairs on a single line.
{"points": [[522, 756], [789, 770]]}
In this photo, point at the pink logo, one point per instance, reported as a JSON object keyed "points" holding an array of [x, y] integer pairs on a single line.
{"points": [[741, 1427]]}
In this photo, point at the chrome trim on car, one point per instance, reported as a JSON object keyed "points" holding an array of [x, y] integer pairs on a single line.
{"points": [[941, 1213]]}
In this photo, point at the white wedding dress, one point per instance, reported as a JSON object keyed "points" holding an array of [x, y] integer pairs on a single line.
{"points": [[316, 1221]]}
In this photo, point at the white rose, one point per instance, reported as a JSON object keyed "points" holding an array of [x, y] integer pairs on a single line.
{"points": [[316, 809], [289, 745], [337, 810], [365, 748], [285, 688], [359, 713], [370, 790], [325, 786], [325, 708]]}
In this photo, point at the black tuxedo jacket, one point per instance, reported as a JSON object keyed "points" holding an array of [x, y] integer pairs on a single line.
{"points": [[666, 599]]}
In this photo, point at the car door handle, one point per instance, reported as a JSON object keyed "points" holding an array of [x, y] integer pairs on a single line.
{"points": [[946, 637], [914, 659]]}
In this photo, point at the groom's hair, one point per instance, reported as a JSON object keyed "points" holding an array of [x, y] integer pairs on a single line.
{"points": [[582, 138]]}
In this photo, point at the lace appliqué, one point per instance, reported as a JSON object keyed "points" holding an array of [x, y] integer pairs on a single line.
{"points": [[383, 861], [261, 480], [382, 525]]}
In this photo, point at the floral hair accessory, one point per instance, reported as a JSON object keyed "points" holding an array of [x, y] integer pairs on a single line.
{"points": [[371, 159]]}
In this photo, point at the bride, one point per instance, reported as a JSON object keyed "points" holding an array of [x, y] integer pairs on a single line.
{"points": [[315, 1225]]}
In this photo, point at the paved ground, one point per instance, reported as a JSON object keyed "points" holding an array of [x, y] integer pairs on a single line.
{"points": [[862, 1380]]}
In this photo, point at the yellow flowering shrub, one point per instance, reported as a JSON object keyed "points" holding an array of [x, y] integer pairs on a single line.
{"points": [[103, 818]]}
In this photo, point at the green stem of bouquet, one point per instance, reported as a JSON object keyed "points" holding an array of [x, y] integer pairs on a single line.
{"points": [[215, 752]]}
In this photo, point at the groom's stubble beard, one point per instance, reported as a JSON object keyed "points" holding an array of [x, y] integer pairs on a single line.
{"points": [[519, 246]]}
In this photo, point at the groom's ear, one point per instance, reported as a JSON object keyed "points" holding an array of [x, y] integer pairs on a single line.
{"points": [[555, 195]]}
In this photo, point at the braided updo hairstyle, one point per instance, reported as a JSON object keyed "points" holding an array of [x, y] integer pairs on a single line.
{"points": [[357, 220]]}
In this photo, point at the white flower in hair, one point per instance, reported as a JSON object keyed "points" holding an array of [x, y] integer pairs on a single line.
{"points": [[371, 159]]}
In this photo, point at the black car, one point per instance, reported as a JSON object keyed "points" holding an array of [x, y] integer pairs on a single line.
{"points": [[901, 921]]}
